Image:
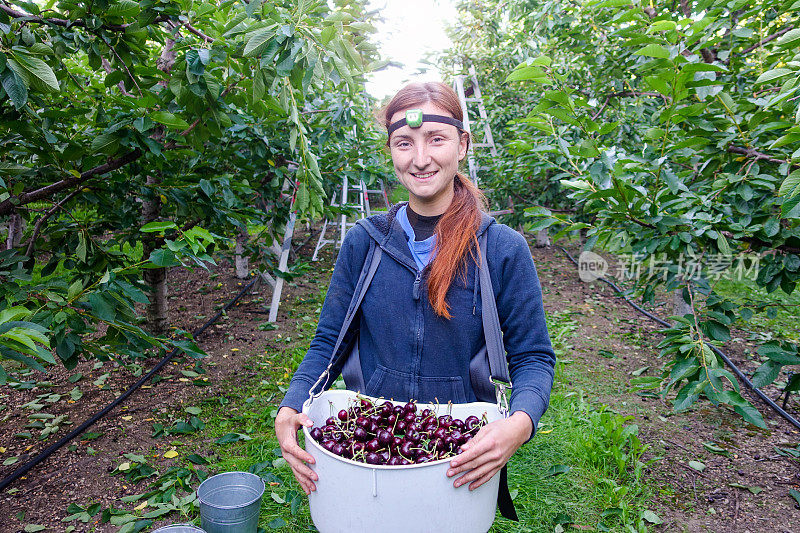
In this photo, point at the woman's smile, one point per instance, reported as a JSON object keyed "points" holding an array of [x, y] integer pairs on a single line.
{"points": [[424, 175]]}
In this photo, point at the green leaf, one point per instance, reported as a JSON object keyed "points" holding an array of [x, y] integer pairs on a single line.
{"points": [[196, 459], [327, 33], [528, 73], [33, 528], [791, 185], [773, 75], [653, 50], [169, 120], [697, 465], [16, 88], [123, 8], [258, 41], [795, 494], [232, 437], [106, 143], [158, 226], [651, 517], [39, 69], [753, 490], [790, 36], [164, 258], [713, 448], [277, 523], [557, 470]]}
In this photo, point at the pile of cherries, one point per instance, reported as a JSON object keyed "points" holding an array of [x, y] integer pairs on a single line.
{"points": [[388, 434]]}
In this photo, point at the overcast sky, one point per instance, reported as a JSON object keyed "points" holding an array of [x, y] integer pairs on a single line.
{"points": [[410, 29]]}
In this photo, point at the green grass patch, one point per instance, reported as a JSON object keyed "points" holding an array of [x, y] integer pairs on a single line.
{"points": [[783, 325]]}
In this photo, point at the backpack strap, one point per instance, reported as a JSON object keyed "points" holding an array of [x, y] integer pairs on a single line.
{"points": [[373, 260], [496, 353]]}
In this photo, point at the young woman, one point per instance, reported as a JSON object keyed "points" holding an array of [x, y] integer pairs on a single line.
{"points": [[419, 325]]}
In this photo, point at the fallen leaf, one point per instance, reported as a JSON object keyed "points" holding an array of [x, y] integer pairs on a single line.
{"points": [[127, 418], [754, 490], [124, 466], [651, 517], [171, 454], [697, 465], [140, 506]]}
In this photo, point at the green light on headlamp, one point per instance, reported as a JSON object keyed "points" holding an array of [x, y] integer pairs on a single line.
{"points": [[414, 118]]}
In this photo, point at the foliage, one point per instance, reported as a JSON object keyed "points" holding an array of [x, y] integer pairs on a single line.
{"points": [[173, 123], [674, 128]]}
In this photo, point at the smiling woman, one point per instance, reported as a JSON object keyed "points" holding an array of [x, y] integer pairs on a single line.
{"points": [[418, 331]]}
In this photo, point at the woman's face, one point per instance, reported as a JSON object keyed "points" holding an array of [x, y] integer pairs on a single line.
{"points": [[426, 160]]}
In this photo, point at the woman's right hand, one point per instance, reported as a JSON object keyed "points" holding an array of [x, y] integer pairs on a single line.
{"points": [[287, 423]]}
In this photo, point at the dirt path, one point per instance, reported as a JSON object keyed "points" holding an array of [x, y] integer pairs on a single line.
{"points": [[746, 490]]}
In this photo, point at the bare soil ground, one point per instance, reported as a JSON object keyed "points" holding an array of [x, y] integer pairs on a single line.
{"points": [[746, 490]]}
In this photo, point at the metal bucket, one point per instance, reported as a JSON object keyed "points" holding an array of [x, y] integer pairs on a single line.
{"points": [[179, 528], [354, 497], [230, 502]]}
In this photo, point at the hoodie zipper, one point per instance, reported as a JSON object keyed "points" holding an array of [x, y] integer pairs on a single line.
{"points": [[415, 293]]}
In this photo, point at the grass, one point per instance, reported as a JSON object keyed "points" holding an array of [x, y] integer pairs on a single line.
{"points": [[787, 306]]}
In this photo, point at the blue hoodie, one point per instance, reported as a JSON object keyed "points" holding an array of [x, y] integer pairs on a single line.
{"points": [[407, 351]]}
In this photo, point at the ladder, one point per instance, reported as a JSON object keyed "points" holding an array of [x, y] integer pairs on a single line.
{"points": [[472, 95], [360, 203], [469, 92], [283, 257]]}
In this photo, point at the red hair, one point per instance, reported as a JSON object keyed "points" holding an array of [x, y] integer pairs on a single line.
{"points": [[456, 232]]}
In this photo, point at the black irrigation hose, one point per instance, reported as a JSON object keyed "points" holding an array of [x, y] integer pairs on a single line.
{"points": [[21, 471], [716, 350]]}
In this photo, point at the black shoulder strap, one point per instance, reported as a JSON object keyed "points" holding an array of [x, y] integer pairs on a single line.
{"points": [[495, 351], [374, 260]]}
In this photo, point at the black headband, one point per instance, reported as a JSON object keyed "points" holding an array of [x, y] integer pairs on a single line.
{"points": [[420, 118]]}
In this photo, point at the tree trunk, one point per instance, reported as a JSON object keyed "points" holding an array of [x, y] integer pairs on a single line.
{"points": [[542, 238], [679, 306], [242, 261], [156, 278], [16, 225]]}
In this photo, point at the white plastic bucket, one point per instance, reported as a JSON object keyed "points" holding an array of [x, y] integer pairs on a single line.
{"points": [[354, 497]]}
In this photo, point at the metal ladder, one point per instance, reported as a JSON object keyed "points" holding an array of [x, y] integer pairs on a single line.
{"points": [[362, 206], [467, 95]]}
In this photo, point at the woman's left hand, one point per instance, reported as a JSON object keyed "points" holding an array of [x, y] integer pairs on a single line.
{"points": [[490, 449]]}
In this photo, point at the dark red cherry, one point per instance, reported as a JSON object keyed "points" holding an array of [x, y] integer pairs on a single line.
{"points": [[361, 434], [385, 437], [373, 458], [316, 434], [373, 445], [342, 415]]}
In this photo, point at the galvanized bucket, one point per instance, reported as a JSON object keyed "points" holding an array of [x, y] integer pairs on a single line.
{"points": [[179, 528], [230, 502]]}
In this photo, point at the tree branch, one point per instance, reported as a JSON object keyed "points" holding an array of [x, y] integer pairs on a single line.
{"points": [[752, 152], [197, 32], [109, 70], [38, 226], [765, 40], [65, 22], [114, 51], [762, 244], [8, 205]]}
